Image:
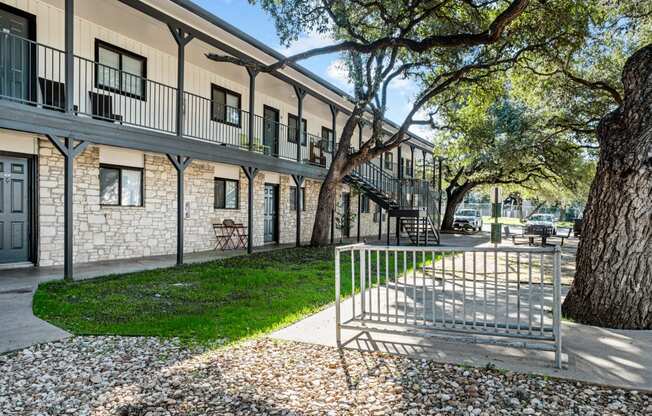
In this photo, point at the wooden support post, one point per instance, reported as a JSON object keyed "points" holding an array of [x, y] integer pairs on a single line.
{"points": [[400, 194], [69, 41], [412, 183], [301, 94], [69, 151], [250, 173], [380, 213], [389, 231], [252, 107], [180, 163], [441, 161], [182, 39], [298, 181], [360, 125], [423, 164]]}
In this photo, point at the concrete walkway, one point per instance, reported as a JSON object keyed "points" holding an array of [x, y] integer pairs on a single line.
{"points": [[597, 355], [19, 328], [591, 354]]}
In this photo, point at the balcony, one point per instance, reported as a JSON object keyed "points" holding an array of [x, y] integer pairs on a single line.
{"points": [[34, 74]]}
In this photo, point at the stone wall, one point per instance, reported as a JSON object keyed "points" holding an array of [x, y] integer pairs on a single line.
{"points": [[114, 232], [107, 232]]}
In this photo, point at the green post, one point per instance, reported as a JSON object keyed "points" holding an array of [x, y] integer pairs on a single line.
{"points": [[496, 211]]}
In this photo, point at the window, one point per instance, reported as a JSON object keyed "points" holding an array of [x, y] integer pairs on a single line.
{"points": [[119, 70], [364, 204], [293, 198], [389, 161], [378, 213], [407, 167], [121, 186], [327, 135], [225, 105], [226, 193], [293, 129]]}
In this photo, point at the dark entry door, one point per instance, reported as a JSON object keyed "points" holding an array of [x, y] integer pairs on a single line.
{"points": [[270, 132], [346, 214], [14, 210], [271, 213], [15, 54]]}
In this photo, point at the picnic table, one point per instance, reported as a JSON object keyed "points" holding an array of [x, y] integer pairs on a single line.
{"points": [[532, 237], [230, 235]]}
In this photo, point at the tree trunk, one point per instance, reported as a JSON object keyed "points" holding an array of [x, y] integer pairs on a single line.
{"points": [[328, 190], [454, 198], [326, 203], [613, 279]]}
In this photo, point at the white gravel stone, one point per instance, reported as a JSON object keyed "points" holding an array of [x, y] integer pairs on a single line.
{"points": [[126, 376]]}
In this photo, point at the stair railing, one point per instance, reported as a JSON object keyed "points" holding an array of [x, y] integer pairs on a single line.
{"points": [[378, 178]]}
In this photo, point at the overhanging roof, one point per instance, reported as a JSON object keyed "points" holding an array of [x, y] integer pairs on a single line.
{"points": [[224, 25]]}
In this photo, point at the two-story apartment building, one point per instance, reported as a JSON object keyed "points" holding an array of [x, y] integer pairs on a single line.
{"points": [[119, 138]]}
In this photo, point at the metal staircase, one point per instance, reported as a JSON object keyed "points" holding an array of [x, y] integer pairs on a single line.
{"points": [[411, 201], [420, 230]]}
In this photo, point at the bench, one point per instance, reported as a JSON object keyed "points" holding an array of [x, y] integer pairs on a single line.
{"points": [[559, 237], [508, 234]]}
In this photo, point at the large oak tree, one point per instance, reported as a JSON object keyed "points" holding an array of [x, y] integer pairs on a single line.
{"points": [[613, 281], [439, 45], [602, 90], [489, 138]]}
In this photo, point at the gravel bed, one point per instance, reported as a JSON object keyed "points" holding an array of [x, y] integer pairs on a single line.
{"points": [[152, 377]]}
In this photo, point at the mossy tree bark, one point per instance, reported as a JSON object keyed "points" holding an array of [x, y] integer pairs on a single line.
{"points": [[613, 279]]}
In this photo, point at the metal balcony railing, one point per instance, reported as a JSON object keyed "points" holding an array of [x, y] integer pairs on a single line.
{"points": [[207, 120], [105, 93], [34, 74], [31, 73]]}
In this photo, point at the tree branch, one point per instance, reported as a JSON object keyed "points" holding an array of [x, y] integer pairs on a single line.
{"points": [[488, 36]]}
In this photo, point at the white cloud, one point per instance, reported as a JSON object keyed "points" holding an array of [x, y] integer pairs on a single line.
{"points": [[337, 71], [423, 131], [311, 41], [402, 84]]}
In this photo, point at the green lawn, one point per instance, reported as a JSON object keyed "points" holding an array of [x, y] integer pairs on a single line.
{"points": [[222, 301]]}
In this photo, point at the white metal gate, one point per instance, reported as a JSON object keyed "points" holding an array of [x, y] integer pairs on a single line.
{"points": [[504, 296]]}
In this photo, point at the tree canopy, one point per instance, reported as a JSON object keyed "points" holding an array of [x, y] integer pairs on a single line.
{"points": [[488, 137], [445, 48]]}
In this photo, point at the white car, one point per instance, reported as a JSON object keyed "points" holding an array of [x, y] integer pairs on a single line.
{"points": [[542, 224], [468, 219]]}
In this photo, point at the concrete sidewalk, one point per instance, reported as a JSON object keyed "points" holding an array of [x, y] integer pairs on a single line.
{"points": [[597, 355], [19, 328], [591, 354]]}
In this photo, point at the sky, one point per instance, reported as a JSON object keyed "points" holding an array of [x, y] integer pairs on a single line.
{"points": [[252, 20]]}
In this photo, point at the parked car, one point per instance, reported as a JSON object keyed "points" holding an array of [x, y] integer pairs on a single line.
{"points": [[468, 219], [542, 224]]}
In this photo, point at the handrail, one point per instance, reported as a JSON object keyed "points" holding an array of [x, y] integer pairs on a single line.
{"points": [[103, 92], [513, 315]]}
